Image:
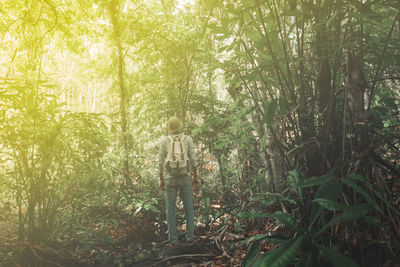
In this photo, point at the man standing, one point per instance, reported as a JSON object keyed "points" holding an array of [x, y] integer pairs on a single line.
{"points": [[176, 162]]}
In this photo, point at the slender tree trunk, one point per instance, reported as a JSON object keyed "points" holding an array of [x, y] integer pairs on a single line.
{"points": [[326, 101], [123, 97], [306, 117], [276, 166], [222, 176]]}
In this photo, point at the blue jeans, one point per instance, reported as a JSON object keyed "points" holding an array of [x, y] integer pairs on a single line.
{"points": [[183, 185]]}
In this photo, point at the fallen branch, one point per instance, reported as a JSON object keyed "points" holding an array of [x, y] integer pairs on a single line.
{"points": [[223, 231], [183, 257], [220, 247], [224, 253]]}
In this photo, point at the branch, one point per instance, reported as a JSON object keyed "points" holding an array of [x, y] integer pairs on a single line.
{"points": [[55, 23], [277, 68], [183, 257]]}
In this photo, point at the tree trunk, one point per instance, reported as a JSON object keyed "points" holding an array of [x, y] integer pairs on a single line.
{"points": [[326, 102], [222, 175], [123, 98]]}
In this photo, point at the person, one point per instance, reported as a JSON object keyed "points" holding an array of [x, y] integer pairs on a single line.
{"points": [[173, 183]]}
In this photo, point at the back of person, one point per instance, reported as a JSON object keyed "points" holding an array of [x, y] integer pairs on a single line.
{"points": [[176, 161], [177, 155]]}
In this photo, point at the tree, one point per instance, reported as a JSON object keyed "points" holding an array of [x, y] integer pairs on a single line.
{"points": [[114, 7], [287, 58]]}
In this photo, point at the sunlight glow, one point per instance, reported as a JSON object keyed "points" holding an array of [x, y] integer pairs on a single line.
{"points": [[182, 3]]}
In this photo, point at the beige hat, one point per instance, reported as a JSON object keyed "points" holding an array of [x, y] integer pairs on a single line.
{"points": [[174, 125]]}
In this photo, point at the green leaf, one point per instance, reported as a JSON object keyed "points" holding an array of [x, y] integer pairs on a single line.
{"points": [[267, 203], [356, 212], [152, 208], [294, 180], [337, 259], [306, 260], [283, 105], [350, 214], [313, 181], [282, 256], [104, 257], [287, 220], [273, 239], [292, 13], [373, 189], [330, 205], [251, 255], [329, 190], [246, 17], [252, 215], [361, 191], [372, 220], [283, 218], [253, 35]]}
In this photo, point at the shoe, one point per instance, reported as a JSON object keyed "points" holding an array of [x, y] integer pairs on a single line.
{"points": [[173, 245]]}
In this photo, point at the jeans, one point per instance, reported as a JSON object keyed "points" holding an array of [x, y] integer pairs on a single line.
{"points": [[183, 185]]}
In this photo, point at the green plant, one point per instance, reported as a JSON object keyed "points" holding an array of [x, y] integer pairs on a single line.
{"points": [[313, 221], [48, 152]]}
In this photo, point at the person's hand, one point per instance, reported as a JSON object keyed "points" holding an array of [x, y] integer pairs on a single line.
{"points": [[195, 180], [194, 184], [162, 184]]}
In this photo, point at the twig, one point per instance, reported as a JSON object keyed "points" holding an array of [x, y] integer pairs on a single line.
{"points": [[220, 247], [224, 253], [223, 231], [284, 209], [220, 236], [219, 216], [182, 257], [216, 243]]}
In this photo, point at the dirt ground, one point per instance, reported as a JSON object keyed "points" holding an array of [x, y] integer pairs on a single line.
{"points": [[8, 236]]}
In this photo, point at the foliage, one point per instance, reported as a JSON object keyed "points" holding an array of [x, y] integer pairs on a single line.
{"points": [[263, 86], [48, 152], [287, 58], [315, 222]]}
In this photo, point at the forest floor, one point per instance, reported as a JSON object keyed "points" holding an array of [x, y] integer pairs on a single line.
{"points": [[133, 243], [8, 235]]}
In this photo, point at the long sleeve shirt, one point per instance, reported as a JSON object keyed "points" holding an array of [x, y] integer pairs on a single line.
{"points": [[165, 146]]}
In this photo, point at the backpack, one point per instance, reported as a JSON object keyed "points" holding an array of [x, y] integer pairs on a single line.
{"points": [[177, 160]]}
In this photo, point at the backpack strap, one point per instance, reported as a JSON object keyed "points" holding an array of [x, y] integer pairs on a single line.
{"points": [[173, 150], [172, 141], [181, 144], [181, 139]]}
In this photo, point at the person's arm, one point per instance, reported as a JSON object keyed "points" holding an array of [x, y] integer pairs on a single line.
{"points": [[161, 158]]}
